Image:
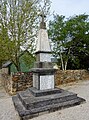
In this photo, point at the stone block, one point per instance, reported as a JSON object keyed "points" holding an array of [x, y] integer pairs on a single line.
{"points": [[43, 65], [43, 42], [36, 80], [46, 82], [35, 92]]}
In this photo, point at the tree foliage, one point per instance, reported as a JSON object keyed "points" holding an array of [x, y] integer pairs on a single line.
{"points": [[70, 38]]}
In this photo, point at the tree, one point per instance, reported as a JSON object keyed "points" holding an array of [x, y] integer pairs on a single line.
{"points": [[79, 49], [58, 35], [18, 27], [70, 38]]}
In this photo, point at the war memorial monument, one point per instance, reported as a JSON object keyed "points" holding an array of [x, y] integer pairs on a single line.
{"points": [[43, 96]]}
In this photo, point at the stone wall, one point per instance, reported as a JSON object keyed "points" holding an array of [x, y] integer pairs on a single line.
{"points": [[67, 76], [20, 81], [16, 82]]}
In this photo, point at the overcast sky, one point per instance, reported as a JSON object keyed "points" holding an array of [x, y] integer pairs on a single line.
{"points": [[70, 7]]}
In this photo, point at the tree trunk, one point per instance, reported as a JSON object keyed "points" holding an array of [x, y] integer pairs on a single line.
{"points": [[62, 64], [17, 64], [65, 65], [67, 59], [18, 67]]}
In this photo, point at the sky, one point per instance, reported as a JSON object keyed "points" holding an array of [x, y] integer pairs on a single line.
{"points": [[70, 7]]}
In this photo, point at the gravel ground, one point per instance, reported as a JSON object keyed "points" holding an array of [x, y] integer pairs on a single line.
{"points": [[80, 112]]}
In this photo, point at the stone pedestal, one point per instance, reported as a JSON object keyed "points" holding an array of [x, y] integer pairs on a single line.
{"points": [[33, 102], [43, 72], [43, 78]]}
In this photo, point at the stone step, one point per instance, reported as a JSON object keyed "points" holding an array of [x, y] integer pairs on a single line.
{"points": [[25, 114], [58, 106], [31, 102], [38, 93], [24, 95]]}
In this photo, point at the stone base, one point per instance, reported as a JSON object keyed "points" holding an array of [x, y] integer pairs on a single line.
{"points": [[32, 102], [43, 78], [38, 93]]}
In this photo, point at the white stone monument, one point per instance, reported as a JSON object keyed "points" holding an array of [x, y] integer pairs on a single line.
{"points": [[43, 72]]}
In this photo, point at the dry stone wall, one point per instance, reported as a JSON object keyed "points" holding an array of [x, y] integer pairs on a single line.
{"points": [[67, 76], [16, 82], [21, 81]]}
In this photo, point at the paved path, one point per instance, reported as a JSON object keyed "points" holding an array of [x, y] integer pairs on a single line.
{"points": [[3, 94], [7, 111], [80, 112]]}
